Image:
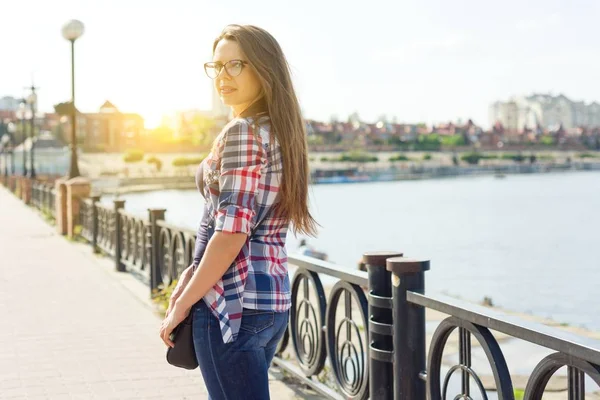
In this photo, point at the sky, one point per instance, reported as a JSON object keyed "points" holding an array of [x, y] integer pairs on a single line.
{"points": [[416, 60]]}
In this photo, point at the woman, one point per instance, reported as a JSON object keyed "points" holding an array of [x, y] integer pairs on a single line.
{"points": [[255, 182]]}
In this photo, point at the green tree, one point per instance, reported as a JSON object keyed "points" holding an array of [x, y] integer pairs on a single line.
{"points": [[547, 140], [65, 108], [429, 142], [453, 141]]}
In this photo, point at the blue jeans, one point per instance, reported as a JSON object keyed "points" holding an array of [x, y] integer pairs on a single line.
{"points": [[238, 370]]}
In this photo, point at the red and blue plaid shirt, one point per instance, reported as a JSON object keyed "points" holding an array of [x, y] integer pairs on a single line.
{"points": [[240, 180]]}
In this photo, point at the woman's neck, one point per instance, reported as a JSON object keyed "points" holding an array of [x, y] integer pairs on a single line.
{"points": [[258, 106]]}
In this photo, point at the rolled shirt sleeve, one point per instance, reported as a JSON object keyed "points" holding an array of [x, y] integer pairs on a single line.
{"points": [[241, 161]]}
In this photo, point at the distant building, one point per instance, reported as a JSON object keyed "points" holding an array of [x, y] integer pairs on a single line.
{"points": [[545, 111], [9, 103], [109, 129]]}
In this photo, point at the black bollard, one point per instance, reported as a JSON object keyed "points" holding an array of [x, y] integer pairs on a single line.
{"points": [[381, 376], [409, 328]]}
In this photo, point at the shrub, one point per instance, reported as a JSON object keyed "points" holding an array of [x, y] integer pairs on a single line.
{"points": [[427, 157], [399, 157], [514, 157], [156, 161], [185, 161], [357, 157], [324, 159], [587, 155], [472, 158], [133, 156], [489, 156]]}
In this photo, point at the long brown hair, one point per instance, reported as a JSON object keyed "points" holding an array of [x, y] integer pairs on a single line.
{"points": [[287, 125]]}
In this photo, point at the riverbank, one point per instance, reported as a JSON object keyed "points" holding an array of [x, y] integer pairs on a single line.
{"points": [[99, 165], [120, 185]]}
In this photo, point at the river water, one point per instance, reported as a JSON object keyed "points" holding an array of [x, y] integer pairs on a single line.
{"points": [[530, 242]]}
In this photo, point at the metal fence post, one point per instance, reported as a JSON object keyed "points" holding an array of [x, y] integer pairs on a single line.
{"points": [[95, 225], [33, 191], [43, 196], [409, 328], [381, 374], [155, 214], [119, 204]]}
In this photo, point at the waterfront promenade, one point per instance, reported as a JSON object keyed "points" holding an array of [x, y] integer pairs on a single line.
{"points": [[78, 329], [72, 328]]}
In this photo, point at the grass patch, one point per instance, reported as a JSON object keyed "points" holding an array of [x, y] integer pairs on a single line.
{"points": [[162, 295], [133, 156], [398, 157]]}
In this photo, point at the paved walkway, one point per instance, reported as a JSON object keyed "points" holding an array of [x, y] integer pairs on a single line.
{"points": [[72, 328]]}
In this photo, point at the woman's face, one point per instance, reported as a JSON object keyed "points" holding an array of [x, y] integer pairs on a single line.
{"points": [[238, 91]]}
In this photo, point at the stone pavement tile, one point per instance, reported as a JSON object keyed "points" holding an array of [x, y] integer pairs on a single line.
{"points": [[78, 328]]}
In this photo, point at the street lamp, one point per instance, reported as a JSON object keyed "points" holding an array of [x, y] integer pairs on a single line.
{"points": [[21, 115], [5, 140], [32, 99], [11, 130], [72, 31]]}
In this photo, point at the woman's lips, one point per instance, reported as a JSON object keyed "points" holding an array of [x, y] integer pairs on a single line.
{"points": [[227, 90]]}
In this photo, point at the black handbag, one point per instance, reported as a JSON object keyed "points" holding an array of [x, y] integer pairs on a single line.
{"points": [[183, 354]]}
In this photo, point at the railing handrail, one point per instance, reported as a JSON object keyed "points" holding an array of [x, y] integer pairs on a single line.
{"points": [[175, 228], [324, 267], [132, 216], [104, 206], [546, 336]]}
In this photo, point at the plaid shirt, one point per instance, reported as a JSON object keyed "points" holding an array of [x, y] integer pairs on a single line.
{"points": [[240, 180]]}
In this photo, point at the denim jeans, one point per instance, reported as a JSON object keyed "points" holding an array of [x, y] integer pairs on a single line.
{"points": [[238, 370]]}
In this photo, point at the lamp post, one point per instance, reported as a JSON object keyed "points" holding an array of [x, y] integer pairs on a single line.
{"points": [[72, 31], [32, 99], [21, 116], [5, 151], [11, 131], [4, 141]]}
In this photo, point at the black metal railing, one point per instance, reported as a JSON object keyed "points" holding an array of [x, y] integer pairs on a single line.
{"points": [[417, 375], [328, 328], [136, 245], [354, 334], [43, 197], [151, 249]]}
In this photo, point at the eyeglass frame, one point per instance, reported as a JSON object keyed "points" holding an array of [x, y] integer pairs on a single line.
{"points": [[223, 67]]}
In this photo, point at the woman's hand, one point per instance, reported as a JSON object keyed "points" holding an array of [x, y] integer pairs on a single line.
{"points": [[184, 279], [177, 315]]}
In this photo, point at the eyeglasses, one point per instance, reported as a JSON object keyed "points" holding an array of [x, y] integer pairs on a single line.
{"points": [[232, 67]]}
